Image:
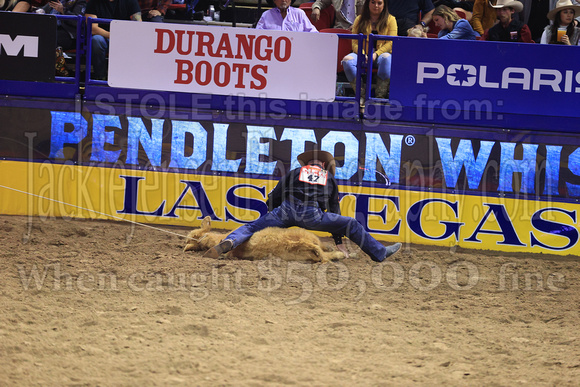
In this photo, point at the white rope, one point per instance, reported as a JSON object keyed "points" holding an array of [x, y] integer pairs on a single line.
{"points": [[96, 212]]}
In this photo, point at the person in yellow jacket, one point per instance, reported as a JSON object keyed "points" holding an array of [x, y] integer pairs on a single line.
{"points": [[484, 15], [375, 19]]}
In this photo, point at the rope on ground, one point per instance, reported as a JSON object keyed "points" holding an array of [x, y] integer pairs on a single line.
{"points": [[93, 211]]}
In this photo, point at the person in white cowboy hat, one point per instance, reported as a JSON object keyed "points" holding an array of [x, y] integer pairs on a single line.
{"points": [[508, 29], [563, 29], [307, 197]]}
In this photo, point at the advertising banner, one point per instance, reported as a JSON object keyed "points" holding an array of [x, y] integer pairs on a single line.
{"points": [[432, 185], [516, 78], [27, 44], [220, 60], [474, 222], [455, 161]]}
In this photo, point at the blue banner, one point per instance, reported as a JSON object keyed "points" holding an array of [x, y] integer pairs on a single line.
{"points": [[515, 78], [448, 160]]}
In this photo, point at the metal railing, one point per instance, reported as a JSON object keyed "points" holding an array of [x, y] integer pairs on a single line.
{"points": [[89, 44], [359, 73], [369, 68], [79, 41]]}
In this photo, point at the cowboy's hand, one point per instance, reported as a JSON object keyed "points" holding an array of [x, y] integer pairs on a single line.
{"points": [[154, 13], [342, 249]]}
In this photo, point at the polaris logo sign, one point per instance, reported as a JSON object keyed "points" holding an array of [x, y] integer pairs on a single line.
{"points": [[467, 75], [27, 44], [509, 78]]}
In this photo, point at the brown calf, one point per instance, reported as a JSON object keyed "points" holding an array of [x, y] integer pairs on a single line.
{"points": [[291, 244]]}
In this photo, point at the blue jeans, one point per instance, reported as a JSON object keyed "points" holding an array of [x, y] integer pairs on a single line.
{"points": [[312, 218], [383, 65], [99, 50]]}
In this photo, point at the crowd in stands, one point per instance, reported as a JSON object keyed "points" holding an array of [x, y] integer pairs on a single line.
{"points": [[493, 20], [528, 21]]}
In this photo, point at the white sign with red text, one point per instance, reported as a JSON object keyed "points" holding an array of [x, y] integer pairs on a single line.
{"points": [[223, 60]]}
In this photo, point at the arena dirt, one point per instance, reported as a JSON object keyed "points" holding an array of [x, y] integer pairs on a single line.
{"points": [[108, 303]]}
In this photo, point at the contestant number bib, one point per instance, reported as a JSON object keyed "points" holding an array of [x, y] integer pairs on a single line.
{"points": [[312, 174]]}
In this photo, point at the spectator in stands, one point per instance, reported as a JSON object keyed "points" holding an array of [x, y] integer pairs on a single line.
{"points": [[30, 5], [7, 5], [374, 18], [153, 10], [484, 15], [535, 17], [458, 5], [452, 27], [22, 6], [285, 18], [66, 30], [508, 29], [345, 11], [107, 9], [563, 30], [407, 13]]}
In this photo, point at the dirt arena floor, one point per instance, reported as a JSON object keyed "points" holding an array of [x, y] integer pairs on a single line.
{"points": [[87, 303]]}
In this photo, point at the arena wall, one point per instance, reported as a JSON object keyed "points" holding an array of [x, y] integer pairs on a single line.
{"points": [[493, 175]]}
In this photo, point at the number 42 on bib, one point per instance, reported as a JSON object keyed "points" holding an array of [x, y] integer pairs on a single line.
{"points": [[313, 174]]}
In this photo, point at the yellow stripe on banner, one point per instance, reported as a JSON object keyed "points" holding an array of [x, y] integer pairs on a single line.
{"points": [[470, 221], [46, 189]]}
